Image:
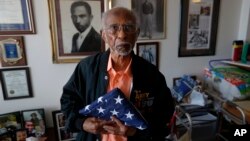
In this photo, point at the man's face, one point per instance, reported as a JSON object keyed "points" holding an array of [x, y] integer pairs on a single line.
{"points": [[29, 125], [81, 18], [121, 42]]}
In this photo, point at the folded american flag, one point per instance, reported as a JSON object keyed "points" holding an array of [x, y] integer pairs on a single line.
{"points": [[115, 103]]}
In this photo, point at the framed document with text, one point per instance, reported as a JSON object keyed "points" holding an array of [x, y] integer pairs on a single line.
{"points": [[16, 17], [16, 83]]}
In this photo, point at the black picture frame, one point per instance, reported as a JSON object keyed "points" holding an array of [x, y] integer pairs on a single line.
{"points": [[63, 31], [59, 127], [34, 121], [10, 122], [198, 28], [149, 51], [16, 83]]}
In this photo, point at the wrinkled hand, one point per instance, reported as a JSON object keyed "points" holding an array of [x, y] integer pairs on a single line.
{"points": [[118, 128], [95, 126]]}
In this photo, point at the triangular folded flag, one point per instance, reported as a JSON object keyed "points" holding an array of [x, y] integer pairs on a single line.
{"points": [[115, 103]]}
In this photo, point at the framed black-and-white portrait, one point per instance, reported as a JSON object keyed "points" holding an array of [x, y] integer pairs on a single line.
{"points": [[73, 38], [198, 28], [148, 51], [59, 127], [152, 17]]}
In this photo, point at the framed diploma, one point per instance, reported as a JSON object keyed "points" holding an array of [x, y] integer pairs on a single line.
{"points": [[16, 83], [12, 51], [16, 17]]}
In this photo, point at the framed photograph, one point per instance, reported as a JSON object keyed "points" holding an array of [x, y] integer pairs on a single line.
{"points": [[6, 137], [18, 19], [34, 122], [9, 122], [59, 126], [21, 135], [16, 83], [148, 51], [152, 17], [198, 31], [73, 39], [12, 51]]}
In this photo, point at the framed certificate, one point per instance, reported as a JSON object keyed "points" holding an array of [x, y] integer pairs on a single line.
{"points": [[16, 83], [16, 17]]}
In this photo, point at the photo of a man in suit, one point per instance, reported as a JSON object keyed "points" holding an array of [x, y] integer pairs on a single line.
{"points": [[87, 39]]}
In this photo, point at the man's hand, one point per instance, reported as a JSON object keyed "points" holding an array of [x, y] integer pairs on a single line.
{"points": [[95, 126], [118, 128]]}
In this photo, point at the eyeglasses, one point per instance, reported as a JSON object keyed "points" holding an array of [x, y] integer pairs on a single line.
{"points": [[127, 28]]}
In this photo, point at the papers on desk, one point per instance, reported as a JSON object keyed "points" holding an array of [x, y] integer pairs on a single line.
{"points": [[197, 98]]}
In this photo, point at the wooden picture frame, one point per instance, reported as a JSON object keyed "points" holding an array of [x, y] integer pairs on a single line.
{"points": [[12, 51], [34, 121], [64, 33], [16, 83], [10, 122], [59, 127], [18, 19], [198, 31], [152, 19], [148, 51]]}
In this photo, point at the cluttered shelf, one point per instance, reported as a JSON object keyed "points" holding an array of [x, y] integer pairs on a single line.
{"points": [[245, 66]]}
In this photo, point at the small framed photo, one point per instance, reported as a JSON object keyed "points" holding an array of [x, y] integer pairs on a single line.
{"points": [[9, 122], [148, 51], [16, 83], [34, 122], [12, 51], [21, 135], [6, 137], [59, 126]]}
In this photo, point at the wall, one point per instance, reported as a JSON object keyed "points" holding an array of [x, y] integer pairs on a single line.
{"points": [[48, 78]]}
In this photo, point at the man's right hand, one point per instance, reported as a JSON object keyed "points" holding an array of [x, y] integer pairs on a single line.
{"points": [[95, 126]]}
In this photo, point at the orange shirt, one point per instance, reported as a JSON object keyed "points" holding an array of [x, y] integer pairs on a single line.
{"points": [[122, 80]]}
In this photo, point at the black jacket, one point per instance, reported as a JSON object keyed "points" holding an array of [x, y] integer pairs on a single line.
{"points": [[149, 94]]}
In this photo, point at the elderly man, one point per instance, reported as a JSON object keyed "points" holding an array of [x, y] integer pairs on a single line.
{"points": [[140, 81]]}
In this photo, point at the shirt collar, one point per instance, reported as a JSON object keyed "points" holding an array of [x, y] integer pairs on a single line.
{"points": [[127, 70]]}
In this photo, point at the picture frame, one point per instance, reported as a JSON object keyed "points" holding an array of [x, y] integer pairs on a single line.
{"points": [[10, 122], [12, 51], [21, 134], [152, 18], [16, 83], [149, 51], [59, 127], [64, 33], [34, 121], [198, 28], [18, 19]]}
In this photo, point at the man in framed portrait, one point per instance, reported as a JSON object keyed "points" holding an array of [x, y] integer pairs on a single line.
{"points": [[87, 39]]}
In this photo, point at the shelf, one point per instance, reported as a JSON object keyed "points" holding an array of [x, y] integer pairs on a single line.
{"points": [[239, 64]]}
